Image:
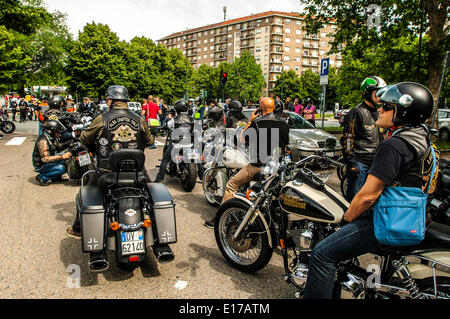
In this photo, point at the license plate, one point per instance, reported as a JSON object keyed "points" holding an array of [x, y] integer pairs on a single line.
{"points": [[84, 159], [132, 242], [330, 154], [192, 153]]}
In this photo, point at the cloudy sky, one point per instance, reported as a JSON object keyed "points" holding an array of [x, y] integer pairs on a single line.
{"points": [[158, 18]]}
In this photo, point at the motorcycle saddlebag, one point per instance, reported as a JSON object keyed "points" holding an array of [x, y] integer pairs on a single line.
{"points": [[92, 218], [163, 214]]}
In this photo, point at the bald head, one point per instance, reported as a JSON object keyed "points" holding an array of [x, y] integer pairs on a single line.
{"points": [[267, 105]]}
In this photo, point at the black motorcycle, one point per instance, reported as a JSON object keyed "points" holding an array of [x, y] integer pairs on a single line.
{"points": [[439, 203], [294, 209], [124, 214], [81, 162]]}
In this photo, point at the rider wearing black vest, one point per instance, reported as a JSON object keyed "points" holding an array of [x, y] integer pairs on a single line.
{"points": [[361, 136], [404, 159], [235, 116], [119, 128]]}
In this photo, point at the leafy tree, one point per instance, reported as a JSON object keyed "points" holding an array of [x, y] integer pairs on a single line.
{"points": [[310, 82], [205, 78], [96, 61], [289, 84]]}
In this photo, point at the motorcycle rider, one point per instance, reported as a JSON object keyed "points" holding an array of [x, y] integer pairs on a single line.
{"points": [[279, 113], [182, 120], [404, 159], [87, 106], [119, 128], [235, 116], [42, 108], [361, 136], [46, 161], [55, 111], [264, 122]]}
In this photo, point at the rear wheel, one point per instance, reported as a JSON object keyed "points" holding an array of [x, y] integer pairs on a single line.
{"points": [[250, 252], [211, 188], [188, 176]]}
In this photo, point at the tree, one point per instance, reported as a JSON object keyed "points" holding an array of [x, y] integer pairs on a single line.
{"points": [[397, 19], [310, 83], [289, 84], [96, 61]]}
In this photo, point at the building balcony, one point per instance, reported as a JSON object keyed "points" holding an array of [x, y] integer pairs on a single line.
{"points": [[276, 61], [311, 37], [276, 52], [247, 36], [276, 70], [248, 45], [220, 41], [310, 46], [220, 57], [191, 54], [277, 23], [191, 39], [276, 42], [220, 49], [276, 33]]}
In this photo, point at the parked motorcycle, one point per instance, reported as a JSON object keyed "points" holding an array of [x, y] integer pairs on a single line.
{"points": [[294, 209], [6, 126], [439, 205], [124, 214], [81, 162]]}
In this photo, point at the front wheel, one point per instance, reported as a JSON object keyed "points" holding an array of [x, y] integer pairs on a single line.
{"points": [[8, 127], [188, 176], [251, 251]]}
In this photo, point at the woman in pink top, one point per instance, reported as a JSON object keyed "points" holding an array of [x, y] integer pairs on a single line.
{"points": [[309, 113]]}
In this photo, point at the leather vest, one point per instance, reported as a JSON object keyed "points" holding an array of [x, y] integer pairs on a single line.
{"points": [[121, 129], [369, 136], [37, 162], [419, 174]]}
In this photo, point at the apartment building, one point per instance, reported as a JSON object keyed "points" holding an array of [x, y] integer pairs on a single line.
{"points": [[275, 39]]}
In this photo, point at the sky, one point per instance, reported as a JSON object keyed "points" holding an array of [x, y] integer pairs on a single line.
{"points": [[156, 19]]}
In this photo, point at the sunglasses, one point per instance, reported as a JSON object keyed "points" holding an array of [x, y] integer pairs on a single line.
{"points": [[387, 107]]}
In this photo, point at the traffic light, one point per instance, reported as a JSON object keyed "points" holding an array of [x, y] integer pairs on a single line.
{"points": [[223, 78]]}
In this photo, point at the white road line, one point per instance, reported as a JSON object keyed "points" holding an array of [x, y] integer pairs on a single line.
{"points": [[16, 141]]}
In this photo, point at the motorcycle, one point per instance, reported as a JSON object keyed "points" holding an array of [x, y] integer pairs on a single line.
{"points": [[439, 205], [122, 213], [183, 166], [294, 209], [6, 126], [82, 161]]}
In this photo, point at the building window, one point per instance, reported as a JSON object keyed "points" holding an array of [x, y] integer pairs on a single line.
{"points": [[287, 30], [287, 39], [298, 32], [297, 59], [205, 41], [297, 68], [287, 21], [212, 31], [258, 31], [286, 58], [286, 67], [205, 49], [297, 50], [323, 44], [238, 26], [323, 34], [230, 36], [287, 49], [230, 28]]}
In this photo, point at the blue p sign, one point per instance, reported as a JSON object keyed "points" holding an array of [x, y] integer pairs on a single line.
{"points": [[324, 66]]}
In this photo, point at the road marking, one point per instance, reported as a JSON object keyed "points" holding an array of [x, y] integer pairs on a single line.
{"points": [[181, 285], [16, 141]]}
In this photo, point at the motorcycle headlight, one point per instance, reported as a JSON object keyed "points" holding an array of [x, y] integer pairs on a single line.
{"points": [[306, 143]]}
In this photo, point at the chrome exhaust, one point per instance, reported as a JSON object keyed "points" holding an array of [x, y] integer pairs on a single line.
{"points": [[353, 284], [98, 262], [163, 253]]}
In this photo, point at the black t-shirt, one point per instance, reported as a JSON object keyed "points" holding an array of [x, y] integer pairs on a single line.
{"points": [[392, 158]]}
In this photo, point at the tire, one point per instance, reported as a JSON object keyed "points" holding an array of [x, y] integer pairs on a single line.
{"points": [[208, 186], [188, 176], [341, 171], [443, 135], [343, 185], [247, 254], [8, 127]]}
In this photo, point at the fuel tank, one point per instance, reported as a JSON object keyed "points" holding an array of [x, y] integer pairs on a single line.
{"points": [[321, 205], [234, 158]]}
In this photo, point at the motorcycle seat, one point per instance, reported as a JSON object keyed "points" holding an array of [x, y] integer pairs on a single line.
{"points": [[123, 179], [127, 160]]}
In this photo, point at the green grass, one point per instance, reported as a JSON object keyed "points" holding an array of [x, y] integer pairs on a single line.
{"points": [[442, 145], [338, 128]]}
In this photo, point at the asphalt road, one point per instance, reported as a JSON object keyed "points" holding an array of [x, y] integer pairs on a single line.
{"points": [[36, 254]]}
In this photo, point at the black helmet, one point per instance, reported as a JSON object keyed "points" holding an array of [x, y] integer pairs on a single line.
{"points": [[44, 98], [181, 106], [117, 92], [54, 126], [278, 106], [215, 113], [235, 105], [56, 102], [413, 102]]}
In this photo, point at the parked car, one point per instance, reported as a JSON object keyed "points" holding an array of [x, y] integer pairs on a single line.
{"points": [[339, 115], [305, 139], [135, 107], [444, 124]]}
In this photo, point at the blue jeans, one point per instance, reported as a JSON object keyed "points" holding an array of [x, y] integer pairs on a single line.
{"points": [[352, 240], [51, 170], [354, 185]]}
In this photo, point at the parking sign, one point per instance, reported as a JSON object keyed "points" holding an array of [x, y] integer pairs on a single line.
{"points": [[324, 69]]}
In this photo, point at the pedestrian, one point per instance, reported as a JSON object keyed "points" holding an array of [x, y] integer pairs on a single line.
{"points": [[289, 105], [309, 113], [151, 112], [361, 136], [298, 108], [23, 105], [14, 108]]}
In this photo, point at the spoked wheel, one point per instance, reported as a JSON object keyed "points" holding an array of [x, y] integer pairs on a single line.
{"points": [[250, 251], [211, 189]]}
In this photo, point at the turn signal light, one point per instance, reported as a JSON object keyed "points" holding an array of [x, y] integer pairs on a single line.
{"points": [[147, 223], [248, 194], [115, 226], [133, 259]]}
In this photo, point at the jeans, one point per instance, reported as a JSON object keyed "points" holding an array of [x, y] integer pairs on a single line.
{"points": [[165, 162], [352, 240], [51, 170], [354, 185]]}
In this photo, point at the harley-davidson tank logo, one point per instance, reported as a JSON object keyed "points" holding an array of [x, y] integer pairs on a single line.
{"points": [[124, 134], [130, 212], [293, 201]]}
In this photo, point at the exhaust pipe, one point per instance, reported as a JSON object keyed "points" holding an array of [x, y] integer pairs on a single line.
{"points": [[163, 253], [98, 262]]}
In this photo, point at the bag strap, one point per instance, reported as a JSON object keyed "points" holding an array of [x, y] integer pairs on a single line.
{"points": [[434, 168]]}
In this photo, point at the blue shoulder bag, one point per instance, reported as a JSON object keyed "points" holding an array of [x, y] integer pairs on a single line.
{"points": [[399, 214]]}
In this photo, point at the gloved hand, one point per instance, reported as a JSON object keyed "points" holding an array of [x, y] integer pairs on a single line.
{"points": [[353, 170]]}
